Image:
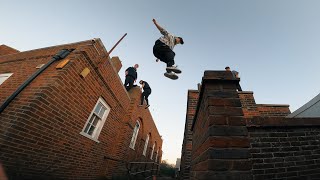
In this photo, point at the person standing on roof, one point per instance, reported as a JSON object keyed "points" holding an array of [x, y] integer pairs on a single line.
{"points": [[235, 75], [146, 92], [163, 50], [131, 76]]}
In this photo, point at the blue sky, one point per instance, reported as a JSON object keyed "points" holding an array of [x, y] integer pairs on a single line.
{"points": [[275, 45]]}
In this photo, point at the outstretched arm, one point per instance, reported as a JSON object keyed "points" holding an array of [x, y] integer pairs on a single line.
{"points": [[158, 26]]}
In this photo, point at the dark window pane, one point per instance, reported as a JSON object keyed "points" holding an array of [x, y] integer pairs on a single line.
{"points": [[96, 120], [92, 118], [87, 127], [91, 129]]}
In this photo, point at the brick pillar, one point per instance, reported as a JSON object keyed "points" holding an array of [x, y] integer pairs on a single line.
{"points": [[220, 136]]}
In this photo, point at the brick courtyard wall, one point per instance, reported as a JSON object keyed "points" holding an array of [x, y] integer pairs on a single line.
{"points": [[185, 165], [40, 129]]}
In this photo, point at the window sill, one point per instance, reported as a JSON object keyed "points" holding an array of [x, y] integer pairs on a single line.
{"points": [[88, 136]]}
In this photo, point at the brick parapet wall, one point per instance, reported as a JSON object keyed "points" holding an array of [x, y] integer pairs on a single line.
{"points": [[6, 50], [251, 109]]}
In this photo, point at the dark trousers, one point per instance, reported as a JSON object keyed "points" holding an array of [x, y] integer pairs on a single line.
{"points": [[239, 87], [164, 53], [145, 96], [128, 83]]}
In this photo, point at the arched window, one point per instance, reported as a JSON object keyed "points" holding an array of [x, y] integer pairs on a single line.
{"points": [[151, 156], [134, 135], [157, 155], [146, 145]]}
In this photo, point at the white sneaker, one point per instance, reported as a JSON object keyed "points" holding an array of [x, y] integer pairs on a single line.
{"points": [[171, 75], [173, 68]]}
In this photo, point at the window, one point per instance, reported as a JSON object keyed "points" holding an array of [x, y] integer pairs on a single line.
{"points": [[134, 135], [96, 120], [145, 145], [151, 156], [157, 155], [4, 77]]}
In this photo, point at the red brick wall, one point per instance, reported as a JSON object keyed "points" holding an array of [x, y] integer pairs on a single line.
{"points": [[39, 130], [147, 127], [187, 139]]}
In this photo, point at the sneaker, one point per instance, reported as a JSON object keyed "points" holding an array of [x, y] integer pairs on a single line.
{"points": [[173, 68], [171, 75], [147, 106], [140, 105]]}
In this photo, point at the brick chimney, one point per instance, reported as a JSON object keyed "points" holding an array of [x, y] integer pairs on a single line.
{"points": [[5, 50], [116, 63], [220, 136]]}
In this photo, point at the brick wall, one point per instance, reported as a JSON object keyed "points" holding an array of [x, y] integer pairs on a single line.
{"points": [[235, 138], [40, 129], [187, 139], [285, 148]]}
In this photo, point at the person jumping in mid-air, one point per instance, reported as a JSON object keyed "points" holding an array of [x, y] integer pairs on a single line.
{"points": [[146, 92], [163, 50]]}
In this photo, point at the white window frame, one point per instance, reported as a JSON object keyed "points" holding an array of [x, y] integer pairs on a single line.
{"points": [[151, 156], [146, 145], [4, 77], [135, 135], [100, 120]]}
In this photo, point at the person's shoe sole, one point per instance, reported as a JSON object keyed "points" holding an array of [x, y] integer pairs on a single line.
{"points": [[178, 71], [171, 76]]}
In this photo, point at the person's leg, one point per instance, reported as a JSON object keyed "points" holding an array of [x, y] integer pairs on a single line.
{"points": [[239, 87], [146, 96], [170, 57], [142, 98], [126, 82], [163, 53], [129, 81]]}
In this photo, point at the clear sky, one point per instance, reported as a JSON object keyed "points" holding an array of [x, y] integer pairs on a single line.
{"points": [[274, 44]]}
